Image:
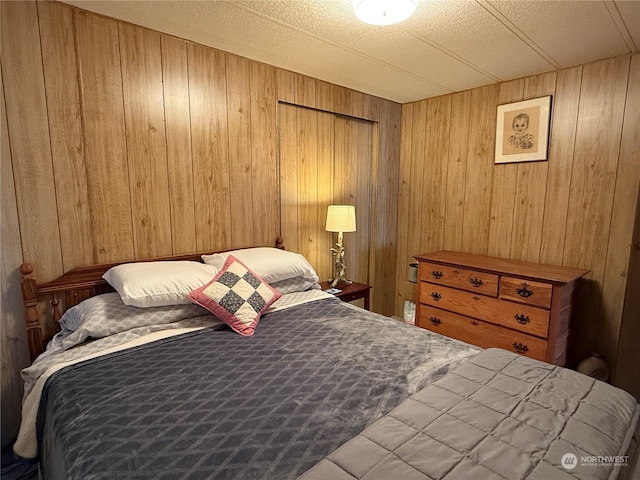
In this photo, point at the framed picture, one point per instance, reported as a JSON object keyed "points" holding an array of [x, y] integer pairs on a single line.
{"points": [[522, 130]]}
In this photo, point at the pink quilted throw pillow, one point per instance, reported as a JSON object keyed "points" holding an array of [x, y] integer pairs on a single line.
{"points": [[237, 296]]}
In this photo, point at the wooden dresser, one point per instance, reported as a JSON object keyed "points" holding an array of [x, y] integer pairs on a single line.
{"points": [[494, 302]]}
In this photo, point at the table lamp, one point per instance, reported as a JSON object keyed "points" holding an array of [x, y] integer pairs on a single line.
{"points": [[340, 219]]}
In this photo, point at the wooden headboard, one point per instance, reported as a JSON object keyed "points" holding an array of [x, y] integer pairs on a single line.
{"points": [[73, 287]]}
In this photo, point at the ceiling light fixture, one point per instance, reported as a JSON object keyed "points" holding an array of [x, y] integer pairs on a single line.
{"points": [[384, 12]]}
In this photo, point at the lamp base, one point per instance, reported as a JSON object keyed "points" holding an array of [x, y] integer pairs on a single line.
{"points": [[339, 265], [337, 281]]}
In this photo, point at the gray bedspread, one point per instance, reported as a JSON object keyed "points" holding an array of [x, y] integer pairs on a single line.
{"points": [[214, 404], [497, 416]]}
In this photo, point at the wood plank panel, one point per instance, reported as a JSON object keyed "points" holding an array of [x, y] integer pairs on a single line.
{"points": [[346, 189], [378, 110], [364, 197], [339, 100], [240, 170], [435, 175], [146, 147], [307, 155], [286, 92], [324, 99], [504, 186], [602, 101], [29, 135], [385, 172], [65, 127], [14, 354], [594, 177], [626, 370], [286, 85], [418, 165], [175, 80], [105, 137], [377, 222], [561, 146], [475, 230], [305, 90], [341, 152], [209, 147], [264, 158], [456, 170], [325, 185], [288, 167], [620, 241], [355, 104], [531, 187], [404, 290]]}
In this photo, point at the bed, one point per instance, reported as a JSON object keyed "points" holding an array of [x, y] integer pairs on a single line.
{"points": [[310, 388]]}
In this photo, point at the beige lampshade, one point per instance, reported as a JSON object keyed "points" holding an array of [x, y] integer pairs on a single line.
{"points": [[341, 218]]}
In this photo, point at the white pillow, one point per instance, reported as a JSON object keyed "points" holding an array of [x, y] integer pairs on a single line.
{"points": [[271, 264], [295, 284], [154, 284]]}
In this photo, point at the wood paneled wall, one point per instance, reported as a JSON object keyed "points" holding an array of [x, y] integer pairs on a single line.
{"points": [[576, 209], [119, 142]]}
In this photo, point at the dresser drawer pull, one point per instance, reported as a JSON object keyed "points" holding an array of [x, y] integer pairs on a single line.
{"points": [[474, 323], [436, 274], [476, 298], [522, 319], [520, 348], [435, 320], [436, 296], [524, 291], [476, 282]]}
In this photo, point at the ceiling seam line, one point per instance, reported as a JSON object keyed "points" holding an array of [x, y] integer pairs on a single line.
{"points": [[493, 11], [453, 55], [621, 26]]}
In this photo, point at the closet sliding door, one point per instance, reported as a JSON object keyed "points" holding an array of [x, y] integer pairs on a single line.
{"points": [[325, 159], [353, 179]]}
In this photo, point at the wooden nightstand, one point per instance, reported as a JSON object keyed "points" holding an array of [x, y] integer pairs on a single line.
{"points": [[351, 292]]}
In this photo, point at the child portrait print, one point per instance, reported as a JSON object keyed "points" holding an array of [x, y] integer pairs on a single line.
{"points": [[522, 130]]}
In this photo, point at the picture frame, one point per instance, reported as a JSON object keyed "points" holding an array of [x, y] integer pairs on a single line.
{"points": [[522, 130]]}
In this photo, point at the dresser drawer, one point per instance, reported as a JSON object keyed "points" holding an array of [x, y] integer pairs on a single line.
{"points": [[482, 334], [527, 319], [459, 278], [519, 290]]}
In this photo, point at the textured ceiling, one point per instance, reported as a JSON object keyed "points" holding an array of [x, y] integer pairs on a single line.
{"points": [[446, 46]]}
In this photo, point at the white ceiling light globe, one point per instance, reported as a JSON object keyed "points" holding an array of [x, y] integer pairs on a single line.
{"points": [[384, 12]]}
